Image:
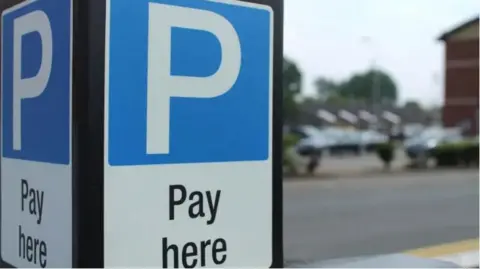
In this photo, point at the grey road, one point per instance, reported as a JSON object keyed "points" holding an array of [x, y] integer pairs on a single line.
{"points": [[353, 217]]}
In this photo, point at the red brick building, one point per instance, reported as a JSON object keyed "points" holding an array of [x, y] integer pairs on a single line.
{"points": [[462, 75]]}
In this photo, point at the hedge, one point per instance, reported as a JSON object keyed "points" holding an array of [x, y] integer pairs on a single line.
{"points": [[386, 152], [289, 140], [458, 153]]}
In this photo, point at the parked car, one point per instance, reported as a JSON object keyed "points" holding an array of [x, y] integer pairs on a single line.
{"points": [[337, 141], [342, 141], [412, 130], [349, 143], [371, 139], [307, 153], [312, 139], [419, 149], [355, 142]]}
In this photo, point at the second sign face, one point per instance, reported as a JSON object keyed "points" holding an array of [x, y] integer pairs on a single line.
{"points": [[36, 160], [188, 134]]}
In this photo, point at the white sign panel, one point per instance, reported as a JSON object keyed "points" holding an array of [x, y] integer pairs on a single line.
{"points": [[188, 134], [36, 174]]}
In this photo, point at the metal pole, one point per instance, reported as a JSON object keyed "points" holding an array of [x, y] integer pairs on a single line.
{"points": [[375, 91], [375, 88]]}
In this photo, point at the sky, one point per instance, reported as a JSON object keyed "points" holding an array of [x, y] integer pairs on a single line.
{"points": [[335, 38]]}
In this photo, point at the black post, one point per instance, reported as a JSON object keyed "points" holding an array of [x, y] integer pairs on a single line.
{"points": [[277, 191], [88, 132], [277, 217]]}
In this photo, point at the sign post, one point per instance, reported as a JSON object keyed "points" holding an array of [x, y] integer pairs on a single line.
{"points": [[142, 133]]}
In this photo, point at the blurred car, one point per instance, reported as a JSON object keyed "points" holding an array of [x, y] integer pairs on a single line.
{"points": [[336, 141], [312, 139], [419, 149], [371, 139], [412, 130], [306, 154], [355, 142], [342, 141], [349, 143]]}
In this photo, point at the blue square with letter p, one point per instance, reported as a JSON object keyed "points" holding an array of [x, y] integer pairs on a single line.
{"points": [[36, 81], [188, 81]]}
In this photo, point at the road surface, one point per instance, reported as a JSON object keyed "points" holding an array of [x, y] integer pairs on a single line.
{"points": [[351, 217]]}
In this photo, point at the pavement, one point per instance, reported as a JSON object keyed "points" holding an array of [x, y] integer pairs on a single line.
{"points": [[464, 253], [367, 165], [365, 161], [354, 165], [347, 164], [349, 217]]}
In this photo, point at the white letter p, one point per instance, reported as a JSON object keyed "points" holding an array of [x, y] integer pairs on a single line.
{"points": [[36, 21], [162, 85]]}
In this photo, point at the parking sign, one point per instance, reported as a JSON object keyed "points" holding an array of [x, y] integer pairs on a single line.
{"points": [[149, 136], [36, 174], [188, 133]]}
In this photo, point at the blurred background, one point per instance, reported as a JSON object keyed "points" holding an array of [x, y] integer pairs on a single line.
{"points": [[382, 96]]}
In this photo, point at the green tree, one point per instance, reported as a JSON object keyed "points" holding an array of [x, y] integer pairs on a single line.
{"points": [[412, 106], [369, 86], [326, 88], [292, 86]]}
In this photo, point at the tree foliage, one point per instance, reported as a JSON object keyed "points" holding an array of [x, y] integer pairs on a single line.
{"points": [[412, 106], [292, 86], [370, 86], [326, 88]]}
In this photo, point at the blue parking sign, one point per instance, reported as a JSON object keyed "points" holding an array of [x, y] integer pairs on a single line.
{"points": [[36, 171], [188, 81], [36, 81]]}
